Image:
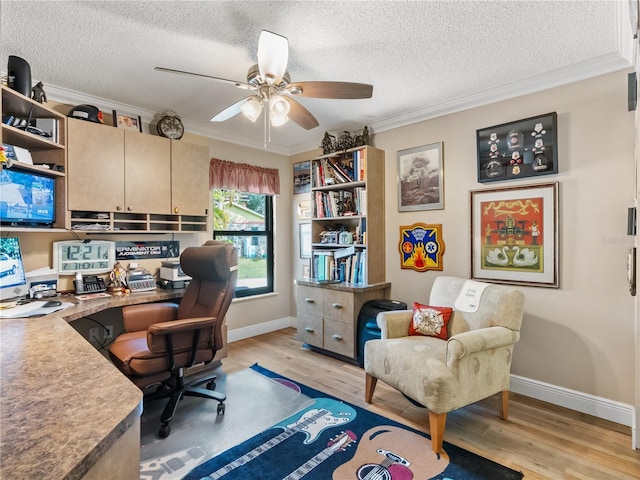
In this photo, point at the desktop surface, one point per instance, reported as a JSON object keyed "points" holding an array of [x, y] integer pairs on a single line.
{"points": [[64, 404]]}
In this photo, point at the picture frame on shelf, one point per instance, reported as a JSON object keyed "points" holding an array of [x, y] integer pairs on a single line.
{"points": [[302, 177], [514, 235], [305, 240], [516, 150], [127, 122], [421, 178]]}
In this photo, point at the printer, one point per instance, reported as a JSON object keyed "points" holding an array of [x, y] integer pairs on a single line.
{"points": [[172, 276]]}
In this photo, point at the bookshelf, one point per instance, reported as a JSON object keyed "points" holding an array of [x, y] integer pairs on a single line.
{"points": [[347, 225], [48, 154]]}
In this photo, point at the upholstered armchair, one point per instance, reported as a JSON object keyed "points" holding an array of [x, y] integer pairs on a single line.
{"points": [[472, 362]]}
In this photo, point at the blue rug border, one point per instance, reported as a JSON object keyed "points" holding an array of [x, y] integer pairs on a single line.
{"points": [[465, 467]]}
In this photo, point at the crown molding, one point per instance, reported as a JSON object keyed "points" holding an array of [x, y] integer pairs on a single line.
{"points": [[581, 71], [72, 97]]}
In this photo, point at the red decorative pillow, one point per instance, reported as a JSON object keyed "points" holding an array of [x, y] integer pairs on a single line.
{"points": [[430, 321]]}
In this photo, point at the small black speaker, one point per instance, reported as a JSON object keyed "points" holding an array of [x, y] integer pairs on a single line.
{"points": [[19, 73]]}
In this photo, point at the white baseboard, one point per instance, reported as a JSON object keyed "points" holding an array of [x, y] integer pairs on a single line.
{"points": [[260, 329], [582, 402]]}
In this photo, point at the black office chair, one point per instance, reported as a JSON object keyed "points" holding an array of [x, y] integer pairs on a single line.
{"points": [[162, 339]]}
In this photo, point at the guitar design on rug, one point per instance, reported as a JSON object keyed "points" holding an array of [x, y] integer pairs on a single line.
{"points": [[386, 452], [337, 444], [324, 413], [174, 465]]}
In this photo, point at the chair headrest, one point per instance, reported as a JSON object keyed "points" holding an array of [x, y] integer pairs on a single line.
{"points": [[210, 262]]}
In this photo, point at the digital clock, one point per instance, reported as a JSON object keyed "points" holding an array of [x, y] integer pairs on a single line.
{"points": [[92, 257]]}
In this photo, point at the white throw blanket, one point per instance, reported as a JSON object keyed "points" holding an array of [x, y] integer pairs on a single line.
{"points": [[469, 297]]}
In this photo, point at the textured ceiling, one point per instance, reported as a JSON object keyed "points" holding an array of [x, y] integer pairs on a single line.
{"points": [[424, 58]]}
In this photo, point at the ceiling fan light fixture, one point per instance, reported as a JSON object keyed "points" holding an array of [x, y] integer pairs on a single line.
{"points": [[279, 120], [278, 105], [252, 108], [273, 55]]}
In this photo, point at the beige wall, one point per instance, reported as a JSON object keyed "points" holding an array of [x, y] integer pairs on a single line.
{"points": [[580, 336]]}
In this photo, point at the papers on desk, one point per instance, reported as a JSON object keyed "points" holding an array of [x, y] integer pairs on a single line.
{"points": [[32, 309]]}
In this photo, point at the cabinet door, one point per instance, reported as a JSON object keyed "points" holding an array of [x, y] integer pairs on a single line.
{"points": [[310, 330], [189, 178], [95, 167], [338, 337], [338, 306], [310, 300], [147, 168]]}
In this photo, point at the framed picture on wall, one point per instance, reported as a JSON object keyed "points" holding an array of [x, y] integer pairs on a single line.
{"points": [[515, 150], [305, 240], [514, 235], [302, 177], [420, 178]]}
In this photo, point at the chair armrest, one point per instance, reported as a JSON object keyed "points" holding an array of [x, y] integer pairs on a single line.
{"points": [[184, 325], [395, 323], [181, 333], [474, 341], [140, 317]]}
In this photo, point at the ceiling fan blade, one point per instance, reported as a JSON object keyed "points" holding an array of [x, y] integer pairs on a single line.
{"points": [[243, 85], [345, 90], [301, 115], [273, 56], [230, 111]]}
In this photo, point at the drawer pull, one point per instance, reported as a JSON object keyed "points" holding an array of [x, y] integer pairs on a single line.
{"points": [[309, 329], [337, 337], [309, 300], [336, 305]]}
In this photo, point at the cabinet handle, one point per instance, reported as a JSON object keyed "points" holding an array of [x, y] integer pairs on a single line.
{"points": [[129, 208], [336, 305], [309, 329], [309, 300], [337, 337], [176, 210], [118, 208]]}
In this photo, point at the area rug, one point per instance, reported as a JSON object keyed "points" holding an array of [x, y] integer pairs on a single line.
{"points": [[332, 439]]}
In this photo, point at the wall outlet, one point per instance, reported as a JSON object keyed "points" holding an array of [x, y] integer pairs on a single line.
{"points": [[94, 334], [108, 332]]}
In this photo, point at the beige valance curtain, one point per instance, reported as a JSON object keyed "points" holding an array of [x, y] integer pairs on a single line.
{"points": [[243, 177]]}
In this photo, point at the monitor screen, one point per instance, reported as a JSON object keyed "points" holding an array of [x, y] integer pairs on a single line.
{"points": [[26, 198], [12, 274]]}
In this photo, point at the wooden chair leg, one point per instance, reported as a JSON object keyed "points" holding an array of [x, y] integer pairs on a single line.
{"points": [[437, 422], [504, 405], [370, 386]]}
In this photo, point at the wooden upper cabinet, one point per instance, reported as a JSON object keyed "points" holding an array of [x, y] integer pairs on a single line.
{"points": [[147, 173], [95, 167], [190, 178]]}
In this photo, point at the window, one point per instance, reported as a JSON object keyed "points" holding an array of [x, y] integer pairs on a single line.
{"points": [[246, 220]]}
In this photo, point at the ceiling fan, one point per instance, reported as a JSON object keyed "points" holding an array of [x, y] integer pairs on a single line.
{"points": [[272, 87]]}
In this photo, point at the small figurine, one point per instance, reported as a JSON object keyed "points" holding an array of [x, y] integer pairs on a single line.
{"points": [[38, 93], [327, 143], [118, 279]]}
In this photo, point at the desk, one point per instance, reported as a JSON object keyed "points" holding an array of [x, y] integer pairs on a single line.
{"points": [[65, 411]]}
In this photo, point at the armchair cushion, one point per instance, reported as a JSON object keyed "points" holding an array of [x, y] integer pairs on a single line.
{"points": [[431, 321]]}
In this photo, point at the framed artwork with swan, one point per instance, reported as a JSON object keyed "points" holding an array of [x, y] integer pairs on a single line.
{"points": [[514, 235]]}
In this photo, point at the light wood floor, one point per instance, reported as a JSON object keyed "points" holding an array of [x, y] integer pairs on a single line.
{"points": [[541, 440]]}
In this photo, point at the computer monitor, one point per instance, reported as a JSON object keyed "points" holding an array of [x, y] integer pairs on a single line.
{"points": [[13, 281]]}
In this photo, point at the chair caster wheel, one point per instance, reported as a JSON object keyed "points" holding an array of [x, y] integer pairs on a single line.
{"points": [[164, 432], [221, 408], [211, 385]]}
